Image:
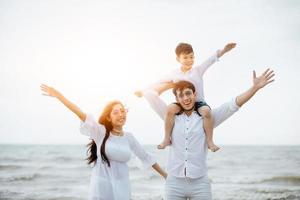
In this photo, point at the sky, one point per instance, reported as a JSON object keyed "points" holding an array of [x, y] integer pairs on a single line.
{"points": [[97, 51]]}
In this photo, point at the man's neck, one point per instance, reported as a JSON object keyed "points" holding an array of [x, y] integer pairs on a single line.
{"points": [[189, 112]]}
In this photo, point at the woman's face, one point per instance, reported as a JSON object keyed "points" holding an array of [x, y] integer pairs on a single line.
{"points": [[118, 115]]}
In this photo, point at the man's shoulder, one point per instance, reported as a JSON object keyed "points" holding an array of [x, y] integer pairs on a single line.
{"points": [[193, 116]]}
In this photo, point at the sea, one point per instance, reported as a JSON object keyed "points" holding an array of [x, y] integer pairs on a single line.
{"points": [[60, 172]]}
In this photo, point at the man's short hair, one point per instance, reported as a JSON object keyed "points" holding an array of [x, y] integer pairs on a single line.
{"points": [[183, 48], [181, 85]]}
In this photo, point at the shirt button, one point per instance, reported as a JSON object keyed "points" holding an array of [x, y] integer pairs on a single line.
{"points": [[185, 160], [186, 138], [185, 148]]}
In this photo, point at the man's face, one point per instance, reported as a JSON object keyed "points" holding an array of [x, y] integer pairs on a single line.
{"points": [[186, 98], [186, 60]]}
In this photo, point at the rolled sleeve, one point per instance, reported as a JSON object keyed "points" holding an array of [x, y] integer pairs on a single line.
{"points": [[233, 105], [207, 63], [224, 111]]}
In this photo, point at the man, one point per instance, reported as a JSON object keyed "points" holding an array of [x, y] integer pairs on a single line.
{"points": [[186, 162]]}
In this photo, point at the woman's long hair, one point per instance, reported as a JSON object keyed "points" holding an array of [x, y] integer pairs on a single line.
{"points": [[104, 120]]}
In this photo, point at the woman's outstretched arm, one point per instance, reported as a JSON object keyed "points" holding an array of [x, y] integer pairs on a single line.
{"points": [[52, 92]]}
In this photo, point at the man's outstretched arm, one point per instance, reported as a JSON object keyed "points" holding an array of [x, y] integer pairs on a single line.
{"points": [[226, 110], [258, 83], [222, 112]]}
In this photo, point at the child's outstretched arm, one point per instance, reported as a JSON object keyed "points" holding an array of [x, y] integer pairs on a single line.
{"points": [[228, 47], [201, 69], [51, 92]]}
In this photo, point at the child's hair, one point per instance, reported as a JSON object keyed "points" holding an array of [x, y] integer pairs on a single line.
{"points": [[181, 85], [183, 48]]}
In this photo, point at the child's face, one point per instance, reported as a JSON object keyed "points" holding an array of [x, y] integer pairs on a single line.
{"points": [[186, 60]]}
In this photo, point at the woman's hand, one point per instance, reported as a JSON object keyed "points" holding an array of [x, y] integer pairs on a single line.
{"points": [[165, 175], [162, 172], [50, 91]]}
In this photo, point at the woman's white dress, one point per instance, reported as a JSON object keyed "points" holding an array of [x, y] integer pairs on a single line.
{"points": [[112, 183]]}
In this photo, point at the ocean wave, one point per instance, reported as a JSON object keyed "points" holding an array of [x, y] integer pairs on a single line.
{"points": [[146, 177], [272, 191], [10, 167], [14, 159], [64, 158], [291, 180], [295, 180], [63, 198], [63, 167], [34, 176], [6, 194], [24, 177], [134, 168]]}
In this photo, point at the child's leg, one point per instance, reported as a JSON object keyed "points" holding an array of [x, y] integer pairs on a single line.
{"points": [[208, 127], [172, 110]]}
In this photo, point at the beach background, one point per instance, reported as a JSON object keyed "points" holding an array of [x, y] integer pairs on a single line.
{"points": [[59, 172], [96, 51]]}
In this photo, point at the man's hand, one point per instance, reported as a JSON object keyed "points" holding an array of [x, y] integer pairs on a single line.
{"points": [[258, 83], [264, 79], [49, 91]]}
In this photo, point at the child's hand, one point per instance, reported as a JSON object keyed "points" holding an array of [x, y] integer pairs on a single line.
{"points": [[229, 46], [138, 93]]}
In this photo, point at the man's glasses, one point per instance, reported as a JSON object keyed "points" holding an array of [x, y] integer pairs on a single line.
{"points": [[187, 94]]}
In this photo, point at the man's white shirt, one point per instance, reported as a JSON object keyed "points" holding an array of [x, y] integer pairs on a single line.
{"points": [[187, 154]]}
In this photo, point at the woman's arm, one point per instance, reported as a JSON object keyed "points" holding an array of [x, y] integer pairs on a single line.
{"points": [[159, 170], [51, 92]]}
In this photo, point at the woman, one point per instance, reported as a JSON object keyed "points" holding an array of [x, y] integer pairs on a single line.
{"points": [[109, 150]]}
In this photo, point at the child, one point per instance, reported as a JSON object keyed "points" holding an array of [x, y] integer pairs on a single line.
{"points": [[185, 56]]}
